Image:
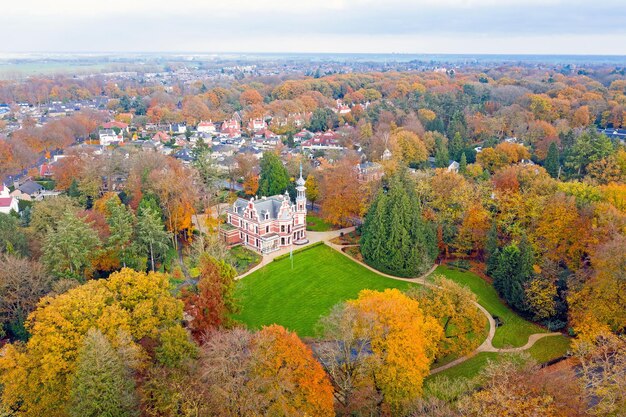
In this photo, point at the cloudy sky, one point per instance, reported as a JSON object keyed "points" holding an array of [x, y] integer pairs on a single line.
{"points": [[401, 26]]}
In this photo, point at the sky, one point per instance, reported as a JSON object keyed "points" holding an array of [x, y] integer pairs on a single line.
{"points": [[333, 26]]}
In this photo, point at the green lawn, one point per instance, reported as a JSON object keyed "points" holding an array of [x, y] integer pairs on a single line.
{"points": [[548, 348], [468, 369], [317, 224], [297, 298], [515, 330]]}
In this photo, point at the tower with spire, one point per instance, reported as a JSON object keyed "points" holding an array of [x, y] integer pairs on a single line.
{"points": [[301, 194]]}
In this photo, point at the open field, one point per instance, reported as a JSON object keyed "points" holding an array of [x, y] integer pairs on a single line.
{"points": [[297, 298]]}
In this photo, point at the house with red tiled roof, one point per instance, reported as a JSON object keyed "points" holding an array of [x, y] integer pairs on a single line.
{"points": [[230, 128], [161, 136], [322, 141], [206, 127], [256, 125], [115, 124]]}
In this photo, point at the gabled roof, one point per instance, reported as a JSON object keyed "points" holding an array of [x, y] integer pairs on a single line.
{"points": [[30, 187], [6, 201], [263, 205]]}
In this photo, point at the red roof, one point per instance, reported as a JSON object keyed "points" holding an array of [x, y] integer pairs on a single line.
{"points": [[111, 125], [6, 201]]}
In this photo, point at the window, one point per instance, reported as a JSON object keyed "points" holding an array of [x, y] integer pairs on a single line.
{"points": [[256, 229], [267, 229], [282, 228]]}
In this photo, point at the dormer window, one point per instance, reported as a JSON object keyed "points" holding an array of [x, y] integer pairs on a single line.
{"points": [[267, 216]]}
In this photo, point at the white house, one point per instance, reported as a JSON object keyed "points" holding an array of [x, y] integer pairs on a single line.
{"points": [[206, 127], [108, 137], [7, 202]]}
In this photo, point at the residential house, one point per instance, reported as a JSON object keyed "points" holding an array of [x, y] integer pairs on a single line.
{"points": [[256, 125], [161, 136], [369, 171], [28, 190], [206, 127], [267, 224], [109, 137], [230, 128], [8, 203], [322, 141], [178, 128], [115, 124]]}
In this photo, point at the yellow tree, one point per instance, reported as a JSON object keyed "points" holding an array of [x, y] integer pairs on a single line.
{"points": [[454, 306], [127, 308], [403, 341]]}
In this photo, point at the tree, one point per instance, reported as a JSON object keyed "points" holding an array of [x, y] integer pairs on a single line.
{"points": [[403, 342], [152, 237], [12, 239], [121, 226], [345, 356], [456, 146], [274, 179], [213, 302], [312, 189], [492, 249], [46, 213], [37, 376], [409, 146], [103, 384], [455, 308], [342, 197], [22, 283], [395, 238], [463, 164], [514, 269], [599, 302], [293, 380], [251, 185], [442, 158], [603, 373], [515, 387], [322, 119], [250, 97], [552, 163], [70, 249]]}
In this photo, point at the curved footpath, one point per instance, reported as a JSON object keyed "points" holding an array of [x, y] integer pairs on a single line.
{"points": [[486, 346]]}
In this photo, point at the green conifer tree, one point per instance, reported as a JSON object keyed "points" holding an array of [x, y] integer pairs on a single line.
{"points": [[396, 239], [274, 178], [552, 161], [463, 164], [103, 384]]}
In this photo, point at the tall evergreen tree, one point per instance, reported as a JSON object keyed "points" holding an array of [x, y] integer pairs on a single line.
{"points": [[396, 239], [442, 159], [514, 269], [552, 160], [463, 164], [456, 146], [152, 237], [121, 226], [103, 384], [73, 190], [274, 178]]}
